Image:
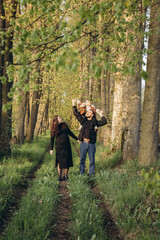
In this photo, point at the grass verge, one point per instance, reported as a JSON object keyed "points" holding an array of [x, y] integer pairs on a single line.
{"points": [[14, 170], [36, 209], [132, 207]]}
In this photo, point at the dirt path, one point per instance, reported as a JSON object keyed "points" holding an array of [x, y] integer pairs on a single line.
{"points": [[61, 230], [110, 227]]}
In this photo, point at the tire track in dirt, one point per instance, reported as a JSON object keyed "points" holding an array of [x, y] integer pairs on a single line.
{"points": [[18, 192], [60, 230], [112, 231]]}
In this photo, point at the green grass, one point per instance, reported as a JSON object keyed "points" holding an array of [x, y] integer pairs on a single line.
{"points": [[128, 202], [87, 220], [36, 209], [14, 170], [136, 212]]}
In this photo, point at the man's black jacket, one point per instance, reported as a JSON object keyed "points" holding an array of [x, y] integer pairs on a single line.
{"points": [[94, 122]]}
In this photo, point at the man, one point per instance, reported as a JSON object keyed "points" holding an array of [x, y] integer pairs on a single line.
{"points": [[88, 135]]}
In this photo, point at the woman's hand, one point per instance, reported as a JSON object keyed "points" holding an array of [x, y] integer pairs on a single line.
{"points": [[51, 152], [78, 141]]}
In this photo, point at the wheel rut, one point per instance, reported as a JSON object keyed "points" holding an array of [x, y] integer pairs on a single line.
{"points": [[61, 230], [112, 231]]}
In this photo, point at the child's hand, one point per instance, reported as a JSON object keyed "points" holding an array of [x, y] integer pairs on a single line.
{"points": [[88, 103], [100, 112], [74, 102]]}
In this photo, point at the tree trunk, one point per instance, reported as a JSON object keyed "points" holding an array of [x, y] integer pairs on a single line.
{"points": [[42, 118], [2, 27], [27, 115], [103, 92], [6, 122], [21, 118], [148, 152], [116, 132], [33, 116], [36, 95], [131, 107]]}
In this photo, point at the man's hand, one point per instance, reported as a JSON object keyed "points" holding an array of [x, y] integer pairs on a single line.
{"points": [[51, 152]]}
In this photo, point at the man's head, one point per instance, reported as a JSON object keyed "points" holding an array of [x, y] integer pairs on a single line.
{"points": [[89, 114]]}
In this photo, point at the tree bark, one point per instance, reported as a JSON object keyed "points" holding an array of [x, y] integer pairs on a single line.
{"points": [[116, 132], [41, 124], [21, 118], [148, 152], [6, 122], [27, 115], [131, 108], [2, 28], [36, 95], [33, 116]]}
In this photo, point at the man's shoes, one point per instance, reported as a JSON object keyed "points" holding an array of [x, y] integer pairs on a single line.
{"points": [[91, 179]]}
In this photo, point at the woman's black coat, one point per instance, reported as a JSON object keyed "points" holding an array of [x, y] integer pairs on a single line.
{"points": [[63, 146]]}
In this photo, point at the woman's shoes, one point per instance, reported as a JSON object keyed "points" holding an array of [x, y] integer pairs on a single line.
{"points": [[63, 179], [60, 178]]}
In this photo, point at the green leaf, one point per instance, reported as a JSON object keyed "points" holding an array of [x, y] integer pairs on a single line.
{"points": [[7, 106], [131, 37], [143, 172], [74, 66], [48, 65], [3, 79], [98, 71], [95, 8], [10, 94], [67, 5], [144, 75], [63, 25]]}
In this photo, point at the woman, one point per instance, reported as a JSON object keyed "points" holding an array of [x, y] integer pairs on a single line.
{"points": [[59, 134]]}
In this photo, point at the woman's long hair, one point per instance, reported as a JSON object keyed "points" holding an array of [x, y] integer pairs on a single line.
{"points": [[54, 127]]}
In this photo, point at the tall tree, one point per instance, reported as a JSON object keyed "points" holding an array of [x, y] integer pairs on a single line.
{"points": [[6, 122], [20, 134], [2, 29], [36, 95], [148, 152], [131, 109], [125, 129]]}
